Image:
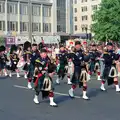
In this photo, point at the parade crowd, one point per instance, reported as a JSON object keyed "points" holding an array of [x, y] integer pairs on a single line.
{"points": [[77, 62]]}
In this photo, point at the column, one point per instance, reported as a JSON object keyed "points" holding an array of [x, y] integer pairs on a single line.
{"points": [[18, 17], [54, 17], [42, 18], [6, 22]]}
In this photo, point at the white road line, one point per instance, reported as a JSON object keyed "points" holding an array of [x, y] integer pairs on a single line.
{"points": [[57, 93]]}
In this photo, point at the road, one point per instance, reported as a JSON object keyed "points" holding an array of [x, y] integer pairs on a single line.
{"points": [[16, 102]]}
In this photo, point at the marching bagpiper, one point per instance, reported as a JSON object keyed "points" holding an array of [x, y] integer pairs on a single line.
{"points": [[43, 73], [27, 55], [110, 72], [80, 72], [62, 63], [3, 60], [13, 61]]}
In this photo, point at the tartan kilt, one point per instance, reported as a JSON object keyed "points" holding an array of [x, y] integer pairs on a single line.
{"points": [[106, 77], [76, 75], [26, 67], [2, 66], [61, 71]]}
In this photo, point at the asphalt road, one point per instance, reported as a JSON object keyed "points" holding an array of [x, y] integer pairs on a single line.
{"points": [[16, 102]]}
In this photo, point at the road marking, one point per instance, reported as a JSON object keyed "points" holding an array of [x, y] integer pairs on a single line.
{"points": [[57, 93]]}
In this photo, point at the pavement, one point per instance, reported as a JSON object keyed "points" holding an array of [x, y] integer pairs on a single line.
{"points": [[16, 102]]}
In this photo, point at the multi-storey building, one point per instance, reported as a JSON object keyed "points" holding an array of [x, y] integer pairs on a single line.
{"points": [[83, 14], [35, 19]]}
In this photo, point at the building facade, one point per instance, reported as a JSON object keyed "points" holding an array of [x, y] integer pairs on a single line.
{"points": [[83, 15], [34, 19]]}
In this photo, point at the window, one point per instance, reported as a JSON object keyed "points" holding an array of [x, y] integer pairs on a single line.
{"points": [[58, 28], [75, 27], [84, 1], [75, 18], [46, 11], [83, 9], [84, 18], [2, 7], [83, 27], [36, 27], [23, 26], [75, 10], [75, 1], [58, 14], [94, 7], [12, 8], [46, 27], [36, 10], [23, 9], [12, 26]]}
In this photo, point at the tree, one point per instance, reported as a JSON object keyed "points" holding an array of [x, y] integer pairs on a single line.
{"points": [[2, 41], [106, 23]]}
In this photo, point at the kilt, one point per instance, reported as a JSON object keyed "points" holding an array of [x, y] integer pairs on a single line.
{"points": [[76, 75], [2, 66], [106, 77], [61, 71]]}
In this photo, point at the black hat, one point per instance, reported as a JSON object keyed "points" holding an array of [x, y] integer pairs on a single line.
{"points": [[13, 48], [41, 45], [43, 50], [2, 48], [109, 44], [61, 45], [34, 44], [26, 45], [77, 43]]}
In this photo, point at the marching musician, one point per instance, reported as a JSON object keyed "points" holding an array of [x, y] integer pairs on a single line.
{"points": [[14, 59], [80, 72], [110, 71], [62, 63]]}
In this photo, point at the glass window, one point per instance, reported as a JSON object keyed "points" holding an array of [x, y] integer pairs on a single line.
{"points": [[12, 8], [75, 10], [35, 27], [23, 9], [75, 18], [75, 1], [2, 7], [58, 28], [46, 27], [84, 18], [36, 10], [75, 27], [83, 9], [46, 11], [94, 7], [23, 26]]}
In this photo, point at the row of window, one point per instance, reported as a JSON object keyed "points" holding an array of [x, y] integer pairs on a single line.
{"points": [[84, 18], [36, 27], [85, 8], [83, 27], [82, 1], [36, 10]]}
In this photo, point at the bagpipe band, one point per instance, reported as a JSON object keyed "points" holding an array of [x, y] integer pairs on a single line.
{"points": [[113, 72]]}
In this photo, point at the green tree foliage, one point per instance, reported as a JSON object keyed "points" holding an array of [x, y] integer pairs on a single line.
{"points": [[106, 23], [2, 41]]}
